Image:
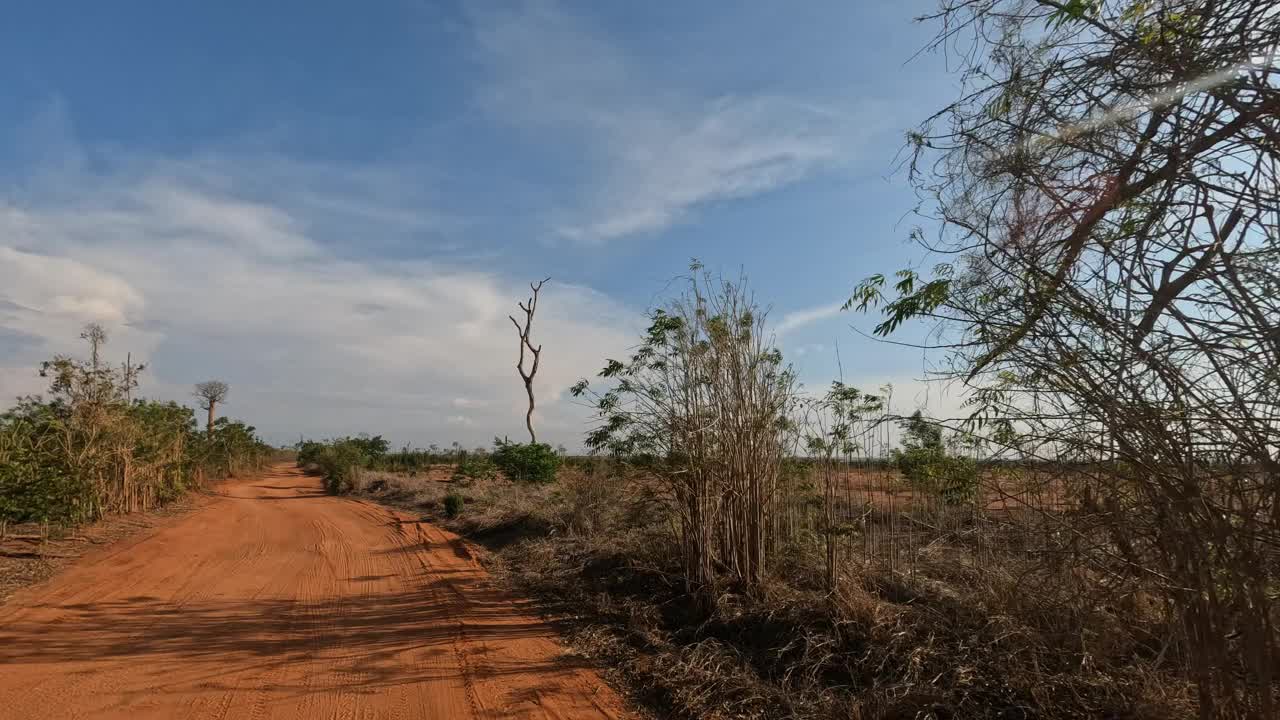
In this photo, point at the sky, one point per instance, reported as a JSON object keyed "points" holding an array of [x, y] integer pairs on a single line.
{"points": [[334, 206]]}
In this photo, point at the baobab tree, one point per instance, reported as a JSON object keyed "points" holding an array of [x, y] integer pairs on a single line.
{"points": [[529, 307], [210, 394]]}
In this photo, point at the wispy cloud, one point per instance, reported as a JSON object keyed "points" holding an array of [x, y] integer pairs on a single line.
{"points": [[204, 282], [661, 169], [798, 319], [653, 152]]}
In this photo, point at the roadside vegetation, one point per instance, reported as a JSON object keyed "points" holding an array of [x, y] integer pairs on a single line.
{"points": [[1097, 536], [351, 464], [737, 547], [88, 448]]}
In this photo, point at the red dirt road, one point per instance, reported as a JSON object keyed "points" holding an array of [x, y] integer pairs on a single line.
{"points": [[276, 601]]}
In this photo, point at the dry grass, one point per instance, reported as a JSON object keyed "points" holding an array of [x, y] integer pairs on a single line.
{"points": [[883, 487], [949, 642]]}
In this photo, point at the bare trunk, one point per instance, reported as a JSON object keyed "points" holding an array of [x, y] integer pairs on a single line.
{"points": [[209, 426], [528, 417]]}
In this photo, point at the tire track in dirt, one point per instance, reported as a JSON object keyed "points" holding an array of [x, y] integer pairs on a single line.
{"points": [[277, 602]]}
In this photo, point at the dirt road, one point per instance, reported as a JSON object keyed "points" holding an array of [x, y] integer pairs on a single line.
{"points": [[276, 601]]}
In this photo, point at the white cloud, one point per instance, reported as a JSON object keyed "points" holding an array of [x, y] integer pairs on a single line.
{"points": [[60, 287], [18, 382], [793, 321], [662, 169], [258, 229], [935, 397], [656, 152], [938, 398], [803, 350], [205, 282], [48, 299]]}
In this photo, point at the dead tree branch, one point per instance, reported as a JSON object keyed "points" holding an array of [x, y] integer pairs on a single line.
{"points": [[529, 307]]}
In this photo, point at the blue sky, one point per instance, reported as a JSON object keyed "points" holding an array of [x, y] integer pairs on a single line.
{"points": [[334, 206]]}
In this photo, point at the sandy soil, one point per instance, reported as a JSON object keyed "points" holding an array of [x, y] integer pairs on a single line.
{"points": [[30, 554], [277, 601]]}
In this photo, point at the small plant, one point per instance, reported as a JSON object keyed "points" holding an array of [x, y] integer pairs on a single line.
{"points": [[453, 503], [526, 462]]}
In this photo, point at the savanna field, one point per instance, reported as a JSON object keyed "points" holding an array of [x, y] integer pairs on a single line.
{"points": [[254, 339]]}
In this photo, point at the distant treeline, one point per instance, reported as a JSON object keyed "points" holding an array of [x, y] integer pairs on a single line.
{"points": [[341, 461]]}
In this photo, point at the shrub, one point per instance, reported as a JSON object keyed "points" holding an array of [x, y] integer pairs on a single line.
{"points": [[474, 467], [411, 460], [453, 505], [952, 478], [372, 448], [924, 462], [526, 462], [340, 464]]}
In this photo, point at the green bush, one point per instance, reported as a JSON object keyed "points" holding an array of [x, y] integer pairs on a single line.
{"points": [[453, 505], [474, 467], [339, 463], [952, 478], [230, 450], [34, 487], [374, 449], [526, 462], [925, 463], [87, 448]]}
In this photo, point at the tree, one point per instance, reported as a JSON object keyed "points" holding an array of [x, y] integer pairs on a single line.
{"points": [[96, 337], [529, 307], [1106, 192], [918, 433], [211, 394], [130, 373], [924, 461]]}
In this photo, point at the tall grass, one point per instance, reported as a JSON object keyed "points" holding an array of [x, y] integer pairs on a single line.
{"points": [[704, 404], [87, 449]]}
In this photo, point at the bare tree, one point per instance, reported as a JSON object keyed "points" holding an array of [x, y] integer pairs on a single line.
{"points": [[529, 307], [129, 374], [211, 393], [97, 337]]}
